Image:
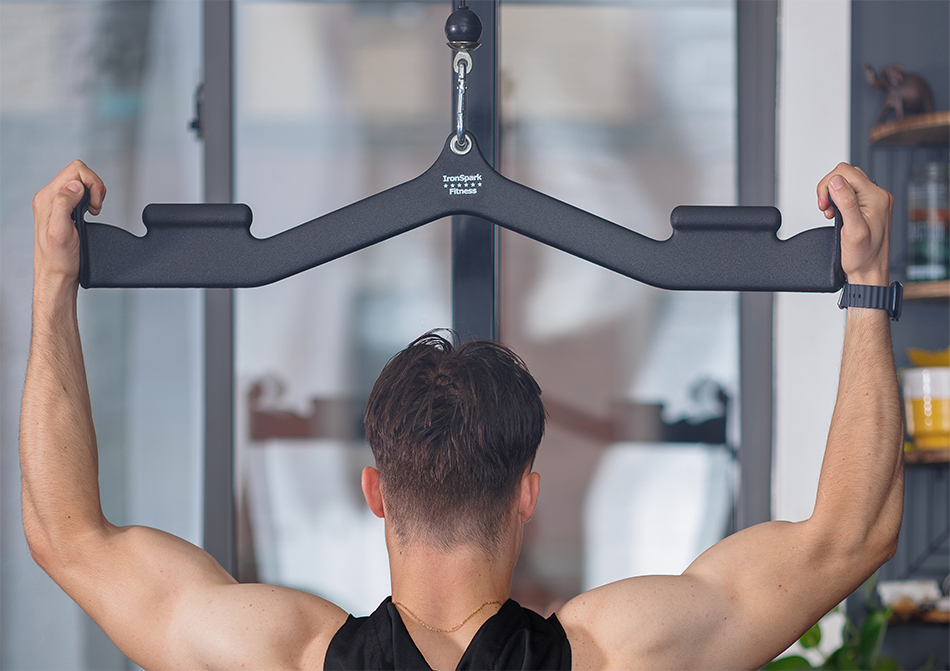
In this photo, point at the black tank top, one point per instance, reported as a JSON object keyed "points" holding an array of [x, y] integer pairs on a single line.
{"points": [[513, 638]]}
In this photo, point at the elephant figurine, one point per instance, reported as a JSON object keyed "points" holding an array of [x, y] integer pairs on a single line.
{"points": [[905, 93]]}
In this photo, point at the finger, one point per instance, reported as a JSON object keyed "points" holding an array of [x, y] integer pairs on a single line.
{"points": [[844, 196], [97, 188], [824, 200], [77, 170], [64, 203], [856, 179]]}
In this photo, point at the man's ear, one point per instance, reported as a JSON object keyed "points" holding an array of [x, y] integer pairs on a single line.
{"points": [[370, 484], [528, 495]]}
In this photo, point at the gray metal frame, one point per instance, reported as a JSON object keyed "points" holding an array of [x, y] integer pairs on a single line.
{"points": [[475, 253], [475, 310], [220, 539], [757, 60]]}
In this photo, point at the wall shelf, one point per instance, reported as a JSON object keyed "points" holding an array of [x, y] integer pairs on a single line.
{"points": [[921, 129], [916, 457], [917, 616], [926, 290]]}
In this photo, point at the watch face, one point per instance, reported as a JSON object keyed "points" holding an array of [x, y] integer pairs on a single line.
{"points": [[897, 300]]}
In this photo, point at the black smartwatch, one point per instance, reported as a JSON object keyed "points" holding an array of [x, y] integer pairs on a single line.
{"points": [[865, 296]]}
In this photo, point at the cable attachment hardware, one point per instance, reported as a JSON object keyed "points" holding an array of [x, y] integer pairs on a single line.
{"points": [[460, 71], [463, 29]]}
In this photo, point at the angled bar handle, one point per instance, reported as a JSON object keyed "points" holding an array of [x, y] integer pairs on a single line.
{"points": [[711, 248]]}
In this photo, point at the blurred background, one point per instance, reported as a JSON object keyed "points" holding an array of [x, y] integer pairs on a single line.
{"points": [[624, 109]]}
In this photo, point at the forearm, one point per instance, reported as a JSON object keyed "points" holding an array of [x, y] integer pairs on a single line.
{"points": [[860, 491], [57, 440]]}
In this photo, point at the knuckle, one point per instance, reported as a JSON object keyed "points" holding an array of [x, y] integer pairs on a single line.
{"points": [[884, 200], [42, 201], [62, 200]]}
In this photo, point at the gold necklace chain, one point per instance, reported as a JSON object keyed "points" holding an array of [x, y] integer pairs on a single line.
{"points": [[444, 631]]}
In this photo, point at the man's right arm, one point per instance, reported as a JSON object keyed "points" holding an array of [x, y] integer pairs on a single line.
{"points": [[753, 594], [164, 602]]}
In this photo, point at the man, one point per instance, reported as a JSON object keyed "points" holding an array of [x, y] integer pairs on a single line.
{"points": [[454, 433]]}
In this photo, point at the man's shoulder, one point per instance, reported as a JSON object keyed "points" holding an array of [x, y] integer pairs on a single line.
{"points": [[267, 625], [634, 623]]}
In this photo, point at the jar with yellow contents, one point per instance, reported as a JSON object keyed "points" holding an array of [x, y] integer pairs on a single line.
{"points": [[927, 406]]}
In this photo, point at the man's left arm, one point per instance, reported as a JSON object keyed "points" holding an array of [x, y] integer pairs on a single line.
{"points": [[750, 596]]}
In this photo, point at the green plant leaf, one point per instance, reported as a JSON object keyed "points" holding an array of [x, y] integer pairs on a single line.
{"points": [[811, 638], [872, 637], [790, 663], [887, 664], [841, 659]]}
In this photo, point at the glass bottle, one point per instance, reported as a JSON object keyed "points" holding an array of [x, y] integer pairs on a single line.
{"points": [[928, 215]]}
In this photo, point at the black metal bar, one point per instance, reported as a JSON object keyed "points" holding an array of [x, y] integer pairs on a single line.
{"points": [[757, 41], [217, 130], [712, 248], [475, 241]]}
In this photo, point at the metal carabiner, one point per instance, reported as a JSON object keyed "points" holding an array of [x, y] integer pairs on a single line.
{"points": [[462, 64]]}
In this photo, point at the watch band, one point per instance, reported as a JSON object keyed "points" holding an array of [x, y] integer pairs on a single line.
{"points": [[867, 296]]}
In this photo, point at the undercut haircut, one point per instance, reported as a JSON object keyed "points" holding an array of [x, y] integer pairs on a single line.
{"points": [[453, 429]]}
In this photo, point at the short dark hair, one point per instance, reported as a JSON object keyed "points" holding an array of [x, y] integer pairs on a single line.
{"points": [[453, 428]]}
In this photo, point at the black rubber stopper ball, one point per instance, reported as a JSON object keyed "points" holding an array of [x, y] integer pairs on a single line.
{"points": [[463, 25]]}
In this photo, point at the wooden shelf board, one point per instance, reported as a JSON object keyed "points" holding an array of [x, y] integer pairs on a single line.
{"points": [[934, 616], [920, 129], [915, 457], [922, 290]]}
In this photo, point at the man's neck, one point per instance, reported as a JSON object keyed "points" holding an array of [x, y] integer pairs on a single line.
{"points": [[443, 588], [443, 598]]}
